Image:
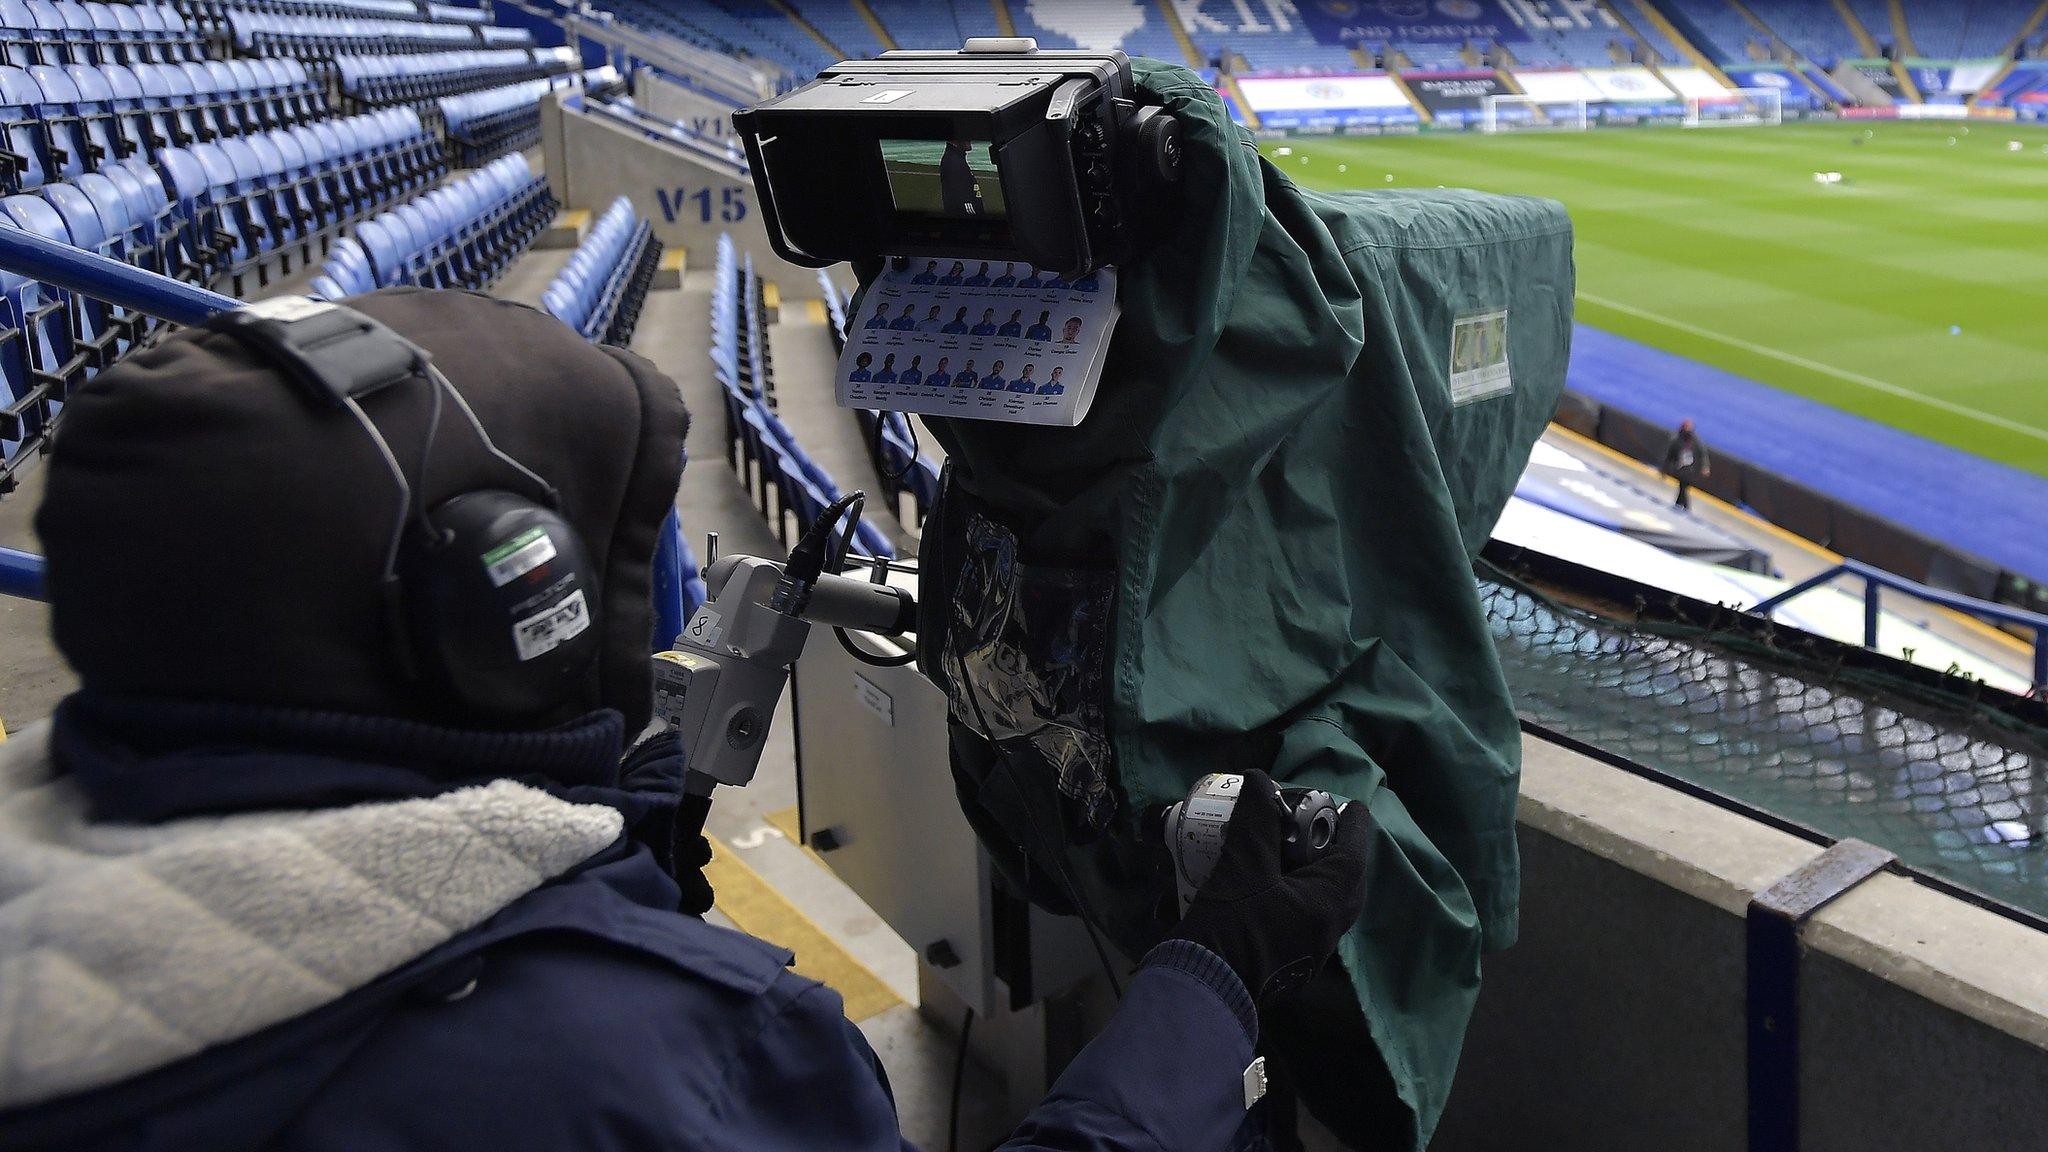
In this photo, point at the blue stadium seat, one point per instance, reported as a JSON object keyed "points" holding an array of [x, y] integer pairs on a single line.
{"points": [[24, 147], [54, 361], [101, 332]]}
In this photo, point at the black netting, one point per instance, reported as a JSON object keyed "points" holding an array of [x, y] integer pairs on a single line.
{"points": [[1949, 783]]}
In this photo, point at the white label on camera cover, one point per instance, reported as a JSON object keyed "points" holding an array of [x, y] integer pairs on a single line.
{"points": [[1479, 358], [550, 628], [979, 340], [886, 96]]}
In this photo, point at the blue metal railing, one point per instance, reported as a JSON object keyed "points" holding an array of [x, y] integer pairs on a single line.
{"points": [[90, 274], [1875, 580]]}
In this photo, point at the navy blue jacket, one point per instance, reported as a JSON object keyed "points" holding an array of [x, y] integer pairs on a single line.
{"points": [[589, 1014]]}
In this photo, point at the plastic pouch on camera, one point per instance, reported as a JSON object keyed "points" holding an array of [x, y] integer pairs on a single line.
{"points": [[1025, 653]]}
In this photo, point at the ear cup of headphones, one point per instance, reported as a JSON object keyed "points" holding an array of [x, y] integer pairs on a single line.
{"points": [[501, 603]]}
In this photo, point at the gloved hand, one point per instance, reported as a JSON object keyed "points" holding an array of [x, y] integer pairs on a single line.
{"points": [[688, 870], [1276, 928]]}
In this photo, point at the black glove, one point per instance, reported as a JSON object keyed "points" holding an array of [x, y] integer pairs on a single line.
{"points": [[1276, 928], [688, 869]]}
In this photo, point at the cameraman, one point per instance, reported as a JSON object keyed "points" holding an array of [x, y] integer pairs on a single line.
{"points": [[264, 883]]}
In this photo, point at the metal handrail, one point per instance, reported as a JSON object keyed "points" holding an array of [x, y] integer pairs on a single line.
{"points": [[1877, 579], [124, 285]]}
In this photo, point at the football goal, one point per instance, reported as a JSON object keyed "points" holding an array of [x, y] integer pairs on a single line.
{"points": [[1511, 113], [1736, 108]]}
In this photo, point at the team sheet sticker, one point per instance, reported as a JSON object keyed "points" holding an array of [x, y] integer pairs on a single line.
{"points": [[983, 340]]}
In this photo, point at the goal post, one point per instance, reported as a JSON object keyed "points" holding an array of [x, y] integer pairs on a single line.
{"points": [[1507, 112], [1736, 108]]}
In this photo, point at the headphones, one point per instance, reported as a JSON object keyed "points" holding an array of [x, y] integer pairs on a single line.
{"points": [[489, 597]]}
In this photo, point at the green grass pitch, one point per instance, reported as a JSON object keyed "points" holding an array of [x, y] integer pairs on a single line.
{"points": [[1719, 245]]}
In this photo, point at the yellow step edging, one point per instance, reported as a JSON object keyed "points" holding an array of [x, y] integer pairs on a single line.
{"points": [[1004, 23], [676, 258], [1180, 34], [797, 19], [1864, 40], [875, 25], [1902, 35], [1679, 41], [759, 910]]}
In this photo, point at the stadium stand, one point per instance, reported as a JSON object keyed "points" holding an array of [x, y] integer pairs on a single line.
{"points": [[1135, 28], [600, 291], [1222, 30], [497, 120], [923, 24], [777, 41], [415, 78], [847, 29], [1967, 29], [463, 234]]}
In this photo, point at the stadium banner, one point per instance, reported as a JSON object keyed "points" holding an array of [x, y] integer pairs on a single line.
{"points": [[1792, 92], [1454, 97], [1558, 86], [1444, 22], [1696, 83], [1330, 103], [1629, 84], [1970, 78]]}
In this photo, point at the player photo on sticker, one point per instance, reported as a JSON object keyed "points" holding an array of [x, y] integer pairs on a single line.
{"points": [[973, 338]]}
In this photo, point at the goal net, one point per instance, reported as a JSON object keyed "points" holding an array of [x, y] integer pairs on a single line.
{"points": [[1509, 113], [1736, 108]]}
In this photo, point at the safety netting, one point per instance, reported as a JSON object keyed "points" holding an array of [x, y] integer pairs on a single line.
{"points": [[1941, 774]]}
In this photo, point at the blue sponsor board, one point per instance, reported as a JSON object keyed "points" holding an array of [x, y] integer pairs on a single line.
{"points": [[1337, 119], [1450, 22], [1792, 91]]}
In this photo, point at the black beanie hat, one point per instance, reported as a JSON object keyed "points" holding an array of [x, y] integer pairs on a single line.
{"points": [[213, 535]]}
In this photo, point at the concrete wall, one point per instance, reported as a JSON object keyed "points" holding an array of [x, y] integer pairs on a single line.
{"points": [[591, 162], [707, 116], [1617, 1022]]}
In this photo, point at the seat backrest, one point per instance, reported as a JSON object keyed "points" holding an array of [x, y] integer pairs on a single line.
{"points": [[199, 82], [57, 89], [110, 202], [34, 214], [247, 165], [89, 86], [325, 288], [186, 178], [219, 169], [123, 88], [383, 249], [81, 216]]}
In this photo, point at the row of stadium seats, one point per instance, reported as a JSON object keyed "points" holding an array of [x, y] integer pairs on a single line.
{"points": [[216, 11], [292, 190], [506, 118], [783, 480], [201, 214], [321, 37], [58, 122], [463, 234], [67, 32], [413, 77], [600, 291]]}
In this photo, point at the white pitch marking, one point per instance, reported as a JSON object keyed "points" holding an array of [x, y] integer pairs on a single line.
{"points": [[1842, 374]]}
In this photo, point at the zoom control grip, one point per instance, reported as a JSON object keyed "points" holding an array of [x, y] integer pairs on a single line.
{"points": [[1195, 828]]}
